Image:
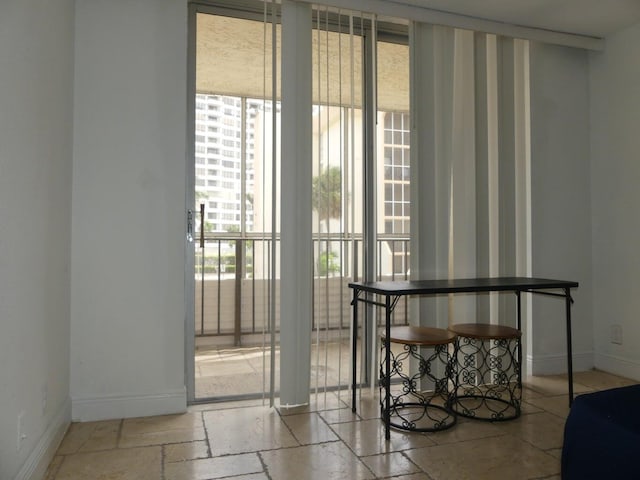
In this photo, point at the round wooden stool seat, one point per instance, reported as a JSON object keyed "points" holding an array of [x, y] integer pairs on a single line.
{"points": [[422, 336], [485, 331]]}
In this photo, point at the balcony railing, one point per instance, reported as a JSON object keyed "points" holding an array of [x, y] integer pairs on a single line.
{"points": [[233, 288]]}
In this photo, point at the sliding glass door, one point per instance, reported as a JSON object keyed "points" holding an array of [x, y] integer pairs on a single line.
{"points": [[235, 187], [235, 114]]}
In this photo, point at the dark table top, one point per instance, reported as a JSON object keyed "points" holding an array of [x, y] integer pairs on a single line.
{"points": [[461, 285]]}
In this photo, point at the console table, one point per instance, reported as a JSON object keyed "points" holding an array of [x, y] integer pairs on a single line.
{"points": [[392, 291]]}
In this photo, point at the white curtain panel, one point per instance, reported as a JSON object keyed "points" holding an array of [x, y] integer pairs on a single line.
{"points": [[469, 171]]}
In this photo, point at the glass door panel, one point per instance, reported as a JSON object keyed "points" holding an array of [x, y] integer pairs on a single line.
{"points": [[235, 121]]}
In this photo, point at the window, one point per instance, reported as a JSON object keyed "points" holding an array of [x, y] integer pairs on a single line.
{"points": [[396, 172]]}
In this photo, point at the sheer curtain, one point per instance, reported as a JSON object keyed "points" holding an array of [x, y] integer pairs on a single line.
{"points": [[469, 175], [470, 167]]}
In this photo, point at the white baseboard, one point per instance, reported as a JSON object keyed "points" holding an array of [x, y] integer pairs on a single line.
{"points": [[128, 406], [618, 366], [38, 460], [557, 364]]}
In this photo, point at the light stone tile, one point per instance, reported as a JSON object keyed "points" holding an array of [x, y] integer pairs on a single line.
{"points": [[340, 415], [528, 393], [527, 408], [390, 465], [187, 427], [465, 429], [120, 464], [252, 476], [558, 405], [182, 435], [179, 452], [553, 385], [543, 430], [555, 452], [142, 425], [309, 428], [90, 437], [471, 449], [414, 476], [246, 430], [326, 461], [54, 467], [328, 401], [599, 380], [210, 468], [367, 407], [367, 438], [503, 457]]}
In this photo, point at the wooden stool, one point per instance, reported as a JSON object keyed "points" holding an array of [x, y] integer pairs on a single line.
{"points": [[487, 373], [412, 407]]}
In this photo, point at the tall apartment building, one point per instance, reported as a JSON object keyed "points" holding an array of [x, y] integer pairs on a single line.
{"points": [[225, 173], [221, 144]]}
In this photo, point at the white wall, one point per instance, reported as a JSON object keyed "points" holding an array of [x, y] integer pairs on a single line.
{"points": [[36, 81], [615, 147], [560, 203], [127, 290]]}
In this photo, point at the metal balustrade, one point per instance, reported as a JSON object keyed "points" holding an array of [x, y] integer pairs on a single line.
{"points": [[233, 290]]}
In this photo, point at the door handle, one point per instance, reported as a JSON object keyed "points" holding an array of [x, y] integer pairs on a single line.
{"points": [[190, 226], [202, 225]]}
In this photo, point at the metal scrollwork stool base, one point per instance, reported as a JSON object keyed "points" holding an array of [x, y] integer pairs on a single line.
{"points": [[487, 374], [419, 379]]}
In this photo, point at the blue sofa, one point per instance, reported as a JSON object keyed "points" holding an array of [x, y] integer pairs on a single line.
{"points": [[602, 436]]}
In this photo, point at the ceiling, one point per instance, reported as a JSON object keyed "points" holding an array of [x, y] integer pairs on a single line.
{"points": [[595, 18]]}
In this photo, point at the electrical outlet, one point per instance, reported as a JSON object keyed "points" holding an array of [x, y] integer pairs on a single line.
{"points": [[21, 431], [616, 334]]}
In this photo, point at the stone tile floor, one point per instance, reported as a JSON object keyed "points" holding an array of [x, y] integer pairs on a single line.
{"points": [[249, 441], [225, 370]]}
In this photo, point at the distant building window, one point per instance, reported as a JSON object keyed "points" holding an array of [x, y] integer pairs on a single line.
{"points": [[396, 172]]}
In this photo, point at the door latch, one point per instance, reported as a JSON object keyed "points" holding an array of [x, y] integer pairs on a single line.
{"points": [[190, 226]]}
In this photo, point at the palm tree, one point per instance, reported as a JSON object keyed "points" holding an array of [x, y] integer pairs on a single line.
{"points": [[327, 193], [327, 201]]}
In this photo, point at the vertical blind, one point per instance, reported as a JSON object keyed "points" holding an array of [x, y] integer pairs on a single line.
{"points": [[469, 173]]}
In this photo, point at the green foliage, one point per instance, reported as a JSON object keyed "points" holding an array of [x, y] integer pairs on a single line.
{"points": [[328, 262], [327, 193]]}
